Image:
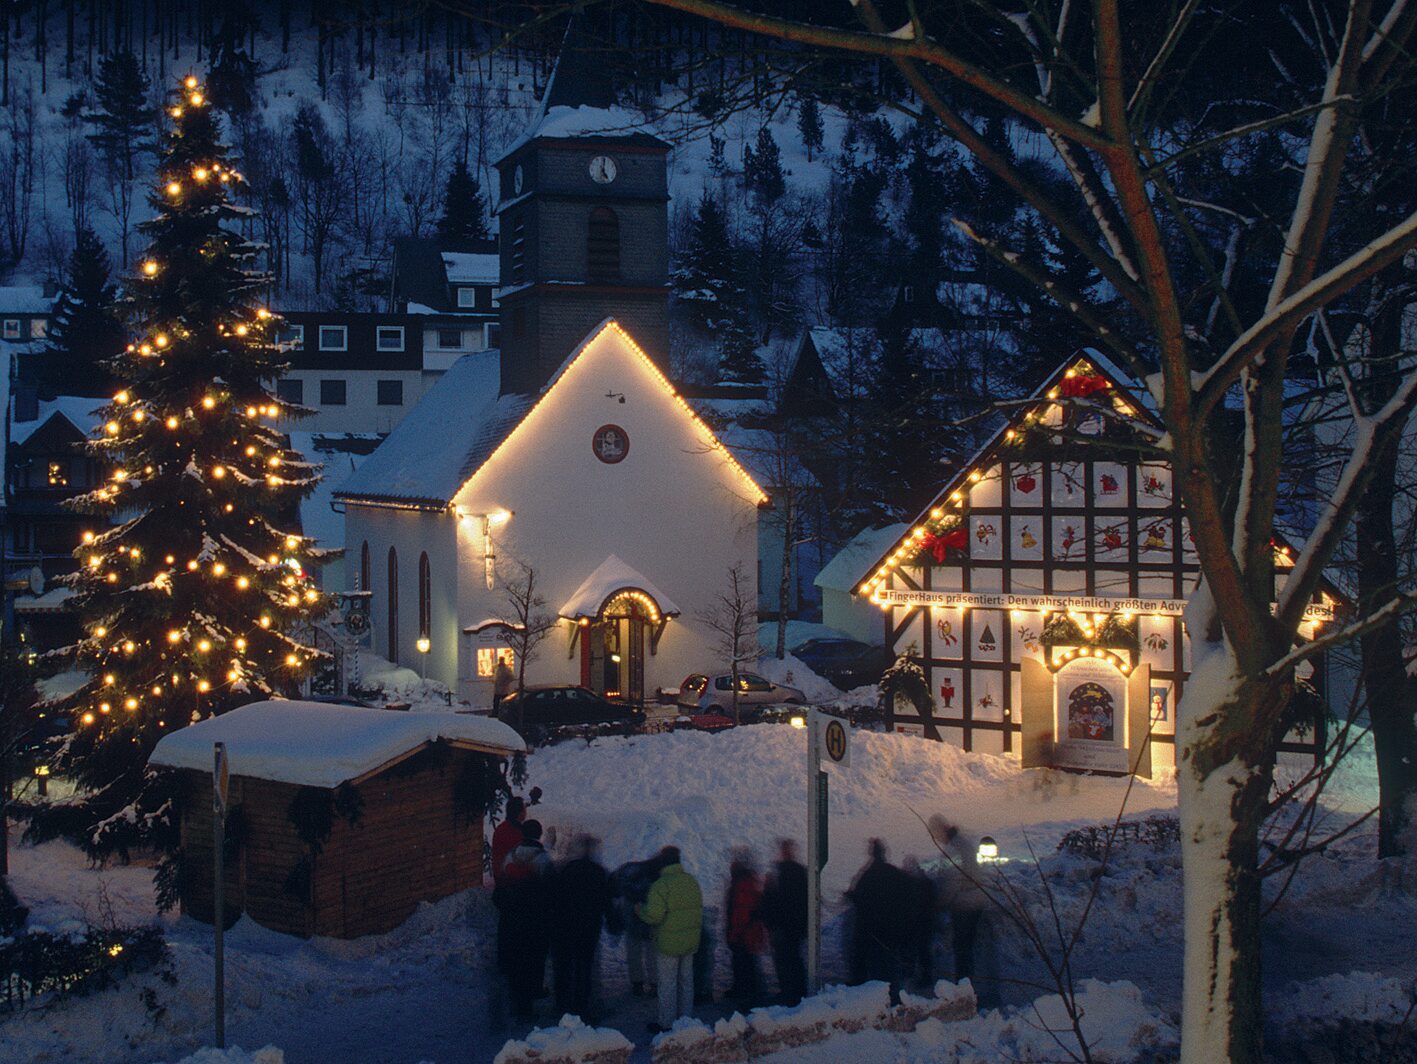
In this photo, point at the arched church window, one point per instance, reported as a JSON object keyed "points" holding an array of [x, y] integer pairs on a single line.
{"points": [[393, 640], [425, 597], [603, 245]]}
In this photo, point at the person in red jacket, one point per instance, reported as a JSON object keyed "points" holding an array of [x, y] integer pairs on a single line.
{"points": [[507, 836], [745, 932]]}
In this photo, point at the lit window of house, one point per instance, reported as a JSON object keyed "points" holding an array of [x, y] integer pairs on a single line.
{"points": [[39, 328], [487, 658], [12, 328]]}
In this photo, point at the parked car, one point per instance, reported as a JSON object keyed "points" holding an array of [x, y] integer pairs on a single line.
{"points": [[715, 693], [557, 705], [847, 663]]}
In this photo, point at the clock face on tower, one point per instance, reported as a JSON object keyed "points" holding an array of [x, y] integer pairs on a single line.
{"points": [[518, 179], [603, 170]]}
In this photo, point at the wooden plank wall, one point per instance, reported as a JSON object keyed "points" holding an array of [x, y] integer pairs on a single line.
{"points": [[411, 844]]}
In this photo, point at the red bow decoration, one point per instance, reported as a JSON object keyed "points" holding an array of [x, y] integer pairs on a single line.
{"points": [[938, 543], [1080, 387]]}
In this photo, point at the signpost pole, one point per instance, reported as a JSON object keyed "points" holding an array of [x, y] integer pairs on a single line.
{"points": [[814, 858], [219, 780]]}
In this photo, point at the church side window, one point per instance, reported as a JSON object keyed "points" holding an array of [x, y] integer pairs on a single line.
{"points": [[603, 245], [393, 648], [425, 597]]}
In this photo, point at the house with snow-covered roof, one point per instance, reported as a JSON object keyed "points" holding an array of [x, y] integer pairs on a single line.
{"points": [[1041, 592], [604, 483]]}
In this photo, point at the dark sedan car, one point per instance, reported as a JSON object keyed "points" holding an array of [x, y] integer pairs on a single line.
{"points": [[559, 705], [844, 662]]}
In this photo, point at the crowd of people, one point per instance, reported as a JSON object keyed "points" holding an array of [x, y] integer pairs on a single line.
{"points": [[559, 912]]}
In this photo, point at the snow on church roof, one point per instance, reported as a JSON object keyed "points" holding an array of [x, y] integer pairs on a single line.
{"points": [[610, 577], [444, 439], [843, 572], [315, 744]]}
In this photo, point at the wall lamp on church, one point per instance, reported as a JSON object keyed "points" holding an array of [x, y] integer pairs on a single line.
{"points": [[487, 521]]}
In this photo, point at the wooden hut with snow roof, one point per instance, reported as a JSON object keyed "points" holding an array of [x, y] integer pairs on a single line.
{"points": [[340, 820], [1041, 592]]}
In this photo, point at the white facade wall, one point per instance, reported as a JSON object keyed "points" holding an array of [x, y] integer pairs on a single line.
{"points": [[675, 509], [412, 533], [360, 411]]}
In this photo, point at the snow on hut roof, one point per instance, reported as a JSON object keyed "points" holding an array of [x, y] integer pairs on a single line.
{"points": [[611, 577], [843, 572], [444, 439], [469, 267], [315, 744]]}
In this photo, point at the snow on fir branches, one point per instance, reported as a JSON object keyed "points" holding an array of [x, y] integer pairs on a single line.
{"points": [[190, 601]]}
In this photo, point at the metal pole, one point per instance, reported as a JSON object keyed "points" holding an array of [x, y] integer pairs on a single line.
{"points": [[814, 864], [219, 897]]}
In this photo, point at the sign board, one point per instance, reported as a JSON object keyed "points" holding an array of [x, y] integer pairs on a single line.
{"points": [[836, 748], [1040, 603], [221, 779], [1090, 703]]}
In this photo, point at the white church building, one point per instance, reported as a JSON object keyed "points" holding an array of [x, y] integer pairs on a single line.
{"points": [[567, 452]]}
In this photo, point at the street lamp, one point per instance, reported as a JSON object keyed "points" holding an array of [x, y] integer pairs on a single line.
{"points": [[41, 775], [424, 644]]}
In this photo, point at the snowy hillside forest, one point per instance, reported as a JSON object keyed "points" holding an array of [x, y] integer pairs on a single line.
{"points": [[796, 199]]}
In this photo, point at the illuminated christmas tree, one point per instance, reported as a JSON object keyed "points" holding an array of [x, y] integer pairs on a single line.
{"points": [[191, 602]]}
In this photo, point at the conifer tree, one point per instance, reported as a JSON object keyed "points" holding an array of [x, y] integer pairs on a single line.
{"points": [[189, 602], [738, 361], [706, 284], [809, 124], [762, 170], [124, 130], [464, 222], [85, 332]]}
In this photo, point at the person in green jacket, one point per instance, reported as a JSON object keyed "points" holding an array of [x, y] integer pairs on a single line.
{"points": [[674, 908]]}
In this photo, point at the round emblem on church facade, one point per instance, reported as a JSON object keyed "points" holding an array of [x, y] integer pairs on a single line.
{"points": [[610, 443]]}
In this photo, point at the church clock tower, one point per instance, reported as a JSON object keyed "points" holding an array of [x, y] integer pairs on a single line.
{"points": [[583, 211]]}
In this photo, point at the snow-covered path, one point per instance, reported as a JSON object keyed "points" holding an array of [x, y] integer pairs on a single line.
{"points": [[421, 992]]}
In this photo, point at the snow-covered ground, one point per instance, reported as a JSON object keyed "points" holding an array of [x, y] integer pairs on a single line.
{"points": [[425, 991]]}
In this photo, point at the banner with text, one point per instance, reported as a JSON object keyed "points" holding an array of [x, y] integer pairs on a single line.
{"points": [[1043, 603]]}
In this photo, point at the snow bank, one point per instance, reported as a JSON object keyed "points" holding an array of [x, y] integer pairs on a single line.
{"points": [[1358, 996], [315, 744], [235, 1055], [569, 1042]]}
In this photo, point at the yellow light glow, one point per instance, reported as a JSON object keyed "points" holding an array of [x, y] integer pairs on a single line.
{"points": [[200, 173], [292, 660], [87, 718], [174, 636], [109, 679], [160, 339], [192, 566], [111, 428], [195, 99], [121, 398], [241, 330], [218, 471], [171, 422], [218, 569], [190, 81], [240, 644], [263, 313], [204, 645], [291, 542], [208, 402], [265, 621], [145, 349], [173, 188], [100, 631], [138, 415], [176, 112], [242, 583], [88, 537], [203, 686]]}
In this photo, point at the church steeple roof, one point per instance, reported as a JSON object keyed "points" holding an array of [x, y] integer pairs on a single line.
{"points": [[581, 77], [579, 102]]}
